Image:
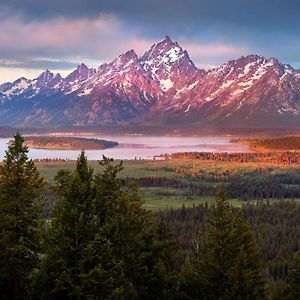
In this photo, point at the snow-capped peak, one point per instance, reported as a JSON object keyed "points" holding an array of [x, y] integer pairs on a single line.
{"points": [[164, 79], [166, 52], [15, 88], [168, 63], [44, 78], [124, 60], [82, 72]]}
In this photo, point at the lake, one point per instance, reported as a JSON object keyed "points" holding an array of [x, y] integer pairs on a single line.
{"points": [[142, 147]]}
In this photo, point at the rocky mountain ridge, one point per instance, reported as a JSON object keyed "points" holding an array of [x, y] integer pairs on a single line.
{"points": [[162, 87]]}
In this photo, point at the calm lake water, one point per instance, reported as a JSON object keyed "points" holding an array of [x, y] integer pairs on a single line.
{"points": [[142, 147]]}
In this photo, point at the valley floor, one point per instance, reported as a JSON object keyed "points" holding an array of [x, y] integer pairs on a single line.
{"points": [[176, 182]]}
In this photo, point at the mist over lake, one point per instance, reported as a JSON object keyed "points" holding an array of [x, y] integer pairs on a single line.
{"points": [[141, 147]]}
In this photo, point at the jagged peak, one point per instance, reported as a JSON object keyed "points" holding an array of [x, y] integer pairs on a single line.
{"points": [[57, 76], [249, 61], [166, 41], [47, 71], [289, 67], [46, 75], [82, 67], [125, 59], [167, 38], [166, 51], [21, 79], [129, 55], [254, 58], [163, 46], [82, 72]]}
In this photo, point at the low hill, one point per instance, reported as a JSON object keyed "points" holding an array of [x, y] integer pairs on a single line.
{"points": [[67, 143]]}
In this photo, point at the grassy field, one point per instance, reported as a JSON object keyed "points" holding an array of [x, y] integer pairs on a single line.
{"points": [[167, 168], [153, 200], [182, 170]]}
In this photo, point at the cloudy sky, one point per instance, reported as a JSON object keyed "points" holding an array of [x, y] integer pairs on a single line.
{"points": [[59, 34]]}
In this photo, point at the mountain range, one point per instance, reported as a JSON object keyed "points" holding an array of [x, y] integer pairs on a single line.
{"points": [[163, 87]]}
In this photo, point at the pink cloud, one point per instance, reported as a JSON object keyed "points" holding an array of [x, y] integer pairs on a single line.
{"points": [[214, 50], [101, 38], [92, 41]]}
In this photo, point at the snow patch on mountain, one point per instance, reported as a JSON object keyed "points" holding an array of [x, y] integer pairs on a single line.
{"points": [[164, 79], [166, 84], [173, 55], [17, 88], [188, 108]]}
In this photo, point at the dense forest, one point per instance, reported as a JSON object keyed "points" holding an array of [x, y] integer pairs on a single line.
{"points": [[252, 186], [279, 144], [276, 227], [87, 236]]}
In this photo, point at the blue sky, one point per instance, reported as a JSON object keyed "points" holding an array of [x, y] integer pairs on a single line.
{"points": [[57, 35]]}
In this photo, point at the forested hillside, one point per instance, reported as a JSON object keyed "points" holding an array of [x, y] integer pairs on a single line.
{"points": [[87, 236], [67, 143]]}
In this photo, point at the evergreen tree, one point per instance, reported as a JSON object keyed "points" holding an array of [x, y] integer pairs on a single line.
{"points": [[294, 278], [216, 256], [100, 243], [143, 245], [20, 186], [246, 279], [227, 263], [78, 263], [278, 290], [188, 288]]}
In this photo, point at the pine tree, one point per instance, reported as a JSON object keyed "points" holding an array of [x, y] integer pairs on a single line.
{"points": [[20, 186], [246, 276], [100, 243], [294, 278], [78, 261], [143, 245], [216, 256], [188, 286], [227, 263]]}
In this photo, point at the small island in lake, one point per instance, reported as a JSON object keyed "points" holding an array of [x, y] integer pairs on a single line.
{"points": [[67, 143]]}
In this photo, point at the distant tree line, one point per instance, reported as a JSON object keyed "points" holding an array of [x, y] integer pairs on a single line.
{"points": [[51, 159], [281, 158], [282, 143], [239, 187]]}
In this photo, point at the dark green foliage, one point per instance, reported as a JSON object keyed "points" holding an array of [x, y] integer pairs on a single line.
{"points": [[276, 227], [78, 259], [216, 257], [253, 186], [20, 185], [294, 278], [188, 280], [246, 278], [278, 290], [100, 243], [226, 260], [143, 245]]}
